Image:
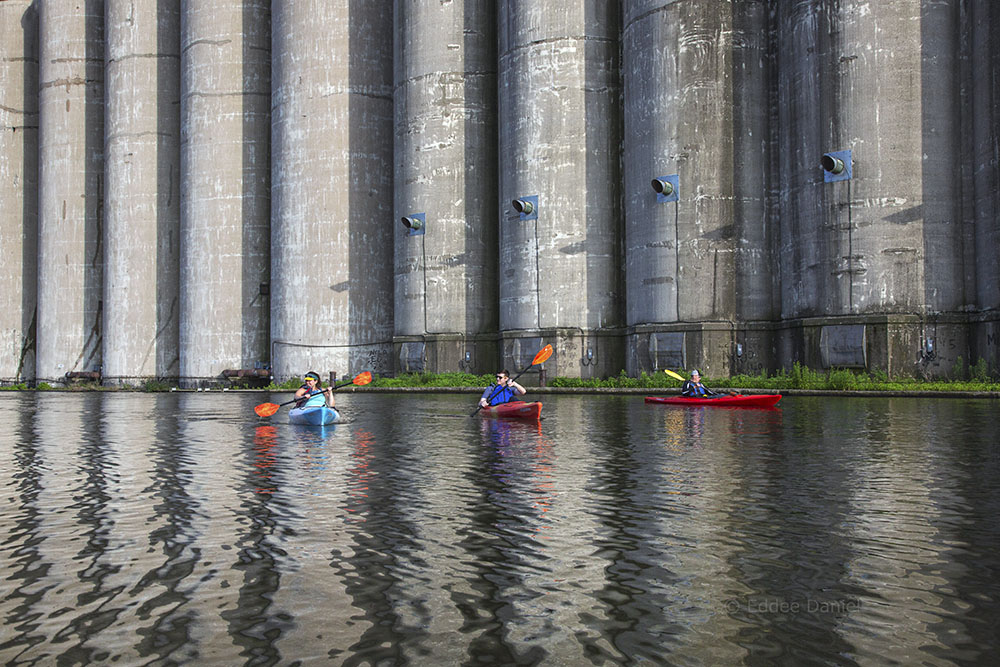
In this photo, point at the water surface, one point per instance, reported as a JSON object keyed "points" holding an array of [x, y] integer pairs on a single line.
{"points": [[170, 528]]}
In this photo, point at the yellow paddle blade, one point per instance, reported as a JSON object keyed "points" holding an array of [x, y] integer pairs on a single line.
{"points": [[542, 355], [266, 409], [673, 374]]}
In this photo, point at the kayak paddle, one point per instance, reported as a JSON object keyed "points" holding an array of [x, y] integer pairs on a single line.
{"points": [[268, 409], [542, 355]]}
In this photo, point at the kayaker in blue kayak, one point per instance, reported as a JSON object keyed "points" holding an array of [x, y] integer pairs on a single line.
{"points": [[312, 393], [694, 387], [503, 390]]}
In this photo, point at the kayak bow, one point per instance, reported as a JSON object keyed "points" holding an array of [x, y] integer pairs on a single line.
{"points": [[318, 415]]}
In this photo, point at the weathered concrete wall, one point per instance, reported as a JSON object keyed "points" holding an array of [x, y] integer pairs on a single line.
{"points": [[696, 78], [446, 168], [18, 188], [559, 139], [142, 176], [878, 79], [70, 187], [983, 104], [332, 185], [225, 167]]}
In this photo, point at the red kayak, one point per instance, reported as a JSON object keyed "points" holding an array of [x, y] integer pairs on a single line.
{"points": [[749, 401], [513, 410]]}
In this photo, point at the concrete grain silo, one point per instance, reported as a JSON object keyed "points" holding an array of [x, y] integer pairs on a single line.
{"points": [[70, 188], [983, 43], [142, 206], [332, 217], [560, 263], [225, 132], [446, 171], [878, 245], [18, 188], [696, 250]]}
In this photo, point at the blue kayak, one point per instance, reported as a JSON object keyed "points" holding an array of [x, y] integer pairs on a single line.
{"points": [[318, 415]]}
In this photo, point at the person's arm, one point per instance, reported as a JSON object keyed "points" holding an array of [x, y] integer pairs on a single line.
{"points": [[686, 388], [329, 397], [517, 389], [486, 394]]}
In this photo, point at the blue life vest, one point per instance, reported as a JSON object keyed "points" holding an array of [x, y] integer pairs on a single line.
{"points": [[501, 395]]}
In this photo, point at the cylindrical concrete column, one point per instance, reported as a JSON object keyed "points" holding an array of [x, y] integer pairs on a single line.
{"points": [[984, 23], [882, 83], [445, 168], [18, 188], [71, 187], [805, 260], [332, 170], [142, 207], [695, 95], [754, 231], [559, 141], [682, 118], [225, 132]]}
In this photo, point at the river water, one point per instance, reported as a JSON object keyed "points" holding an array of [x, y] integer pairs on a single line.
{"points": [[181, 528]]}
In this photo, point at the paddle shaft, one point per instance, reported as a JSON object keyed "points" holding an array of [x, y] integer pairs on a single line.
{"points": [[305, 396], [497, 390]]}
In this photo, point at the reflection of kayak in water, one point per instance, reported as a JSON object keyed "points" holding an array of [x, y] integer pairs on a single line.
{"points": [[751, 401], [513, 410], [319, 415]]}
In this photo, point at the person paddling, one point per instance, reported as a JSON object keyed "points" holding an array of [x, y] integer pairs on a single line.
{"points": [[694, 387], [502, 391], [312, 393]]}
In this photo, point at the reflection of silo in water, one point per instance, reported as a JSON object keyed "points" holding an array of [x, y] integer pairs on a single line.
{"points": [[692, 480], [319, 477], [70, 187], [898, 523], [559, 141], [142, 207], [217, 485], [224, 195], [446, 169], [332, 188], [694, 86], [881, 246], [18, 187], [62, 502]]}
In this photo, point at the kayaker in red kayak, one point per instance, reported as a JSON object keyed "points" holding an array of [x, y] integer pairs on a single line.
{"points": [[311, 392], [694, 387], [502, 391]]}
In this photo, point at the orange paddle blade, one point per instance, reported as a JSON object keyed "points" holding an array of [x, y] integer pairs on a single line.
{"points": [[266, 409], [362, 378], [542, 355]]}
